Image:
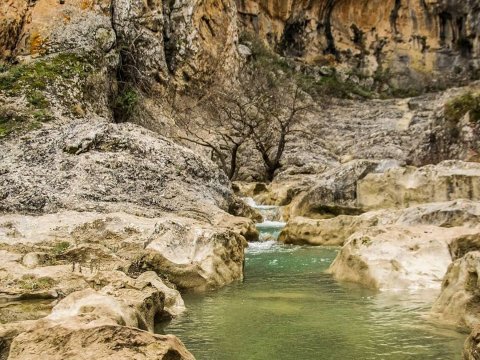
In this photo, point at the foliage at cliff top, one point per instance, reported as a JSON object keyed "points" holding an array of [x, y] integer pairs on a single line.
{"points": [[457, 108]]}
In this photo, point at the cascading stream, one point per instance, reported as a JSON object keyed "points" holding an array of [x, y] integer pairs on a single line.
{"points": [[272, 224], [288, 309]]}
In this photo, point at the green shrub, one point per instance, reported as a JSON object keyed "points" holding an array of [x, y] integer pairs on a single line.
{"points": [[42, 115], [37, 100], [458, 107], [126, 104], [405, 92], [332, 86], [33, 283], [10, 120], [61, 247]]}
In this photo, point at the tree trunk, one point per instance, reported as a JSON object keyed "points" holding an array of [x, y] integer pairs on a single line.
{"points": [[233, 162]]}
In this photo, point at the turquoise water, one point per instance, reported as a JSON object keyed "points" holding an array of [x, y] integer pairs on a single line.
{"points": [[289, 309], [270, 230]]}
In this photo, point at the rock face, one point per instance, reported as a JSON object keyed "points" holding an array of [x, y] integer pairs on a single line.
{"points": [[403, 187], [108, 168], [166, 40], [413, 40], [14, 12], [181, 41]]}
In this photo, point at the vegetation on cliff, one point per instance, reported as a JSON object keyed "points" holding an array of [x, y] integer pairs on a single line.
{"points": [[458, 107], [34, 86]]}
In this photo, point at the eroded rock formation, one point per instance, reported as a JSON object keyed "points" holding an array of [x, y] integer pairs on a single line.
{"points": [[398, 257], [459, 300], [337, 230], [105, 323]]}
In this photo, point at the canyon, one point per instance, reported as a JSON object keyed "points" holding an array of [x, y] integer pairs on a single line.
{"points": [[113, 206]]}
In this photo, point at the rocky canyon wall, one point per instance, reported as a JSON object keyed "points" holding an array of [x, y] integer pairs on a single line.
{"points": [[404, 40], [434, 42]]}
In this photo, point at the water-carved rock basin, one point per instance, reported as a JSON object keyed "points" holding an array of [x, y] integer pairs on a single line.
{"points": [[288, 308]]}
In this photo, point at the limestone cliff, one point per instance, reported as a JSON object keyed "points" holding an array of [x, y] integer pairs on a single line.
{"points": [[409, 39]]}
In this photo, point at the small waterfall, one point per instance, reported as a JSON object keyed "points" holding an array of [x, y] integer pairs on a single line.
{"points": [[387, 164], [272, 224]]}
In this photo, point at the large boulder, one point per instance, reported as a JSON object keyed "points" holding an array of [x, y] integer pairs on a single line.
{"points": [[193, 256], [188, 252], [404, 187], [398, 257], [330, 232], [92, 165]]}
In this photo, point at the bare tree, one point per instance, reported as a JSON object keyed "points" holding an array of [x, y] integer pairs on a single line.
{"points": [[279, 111], [263, 110], [223, 126]]}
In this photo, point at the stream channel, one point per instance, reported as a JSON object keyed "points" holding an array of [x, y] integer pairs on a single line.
{"points": [[287, 308]]}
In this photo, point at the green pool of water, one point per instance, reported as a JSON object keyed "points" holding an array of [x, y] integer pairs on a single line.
{"points": [[289, 309]]}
